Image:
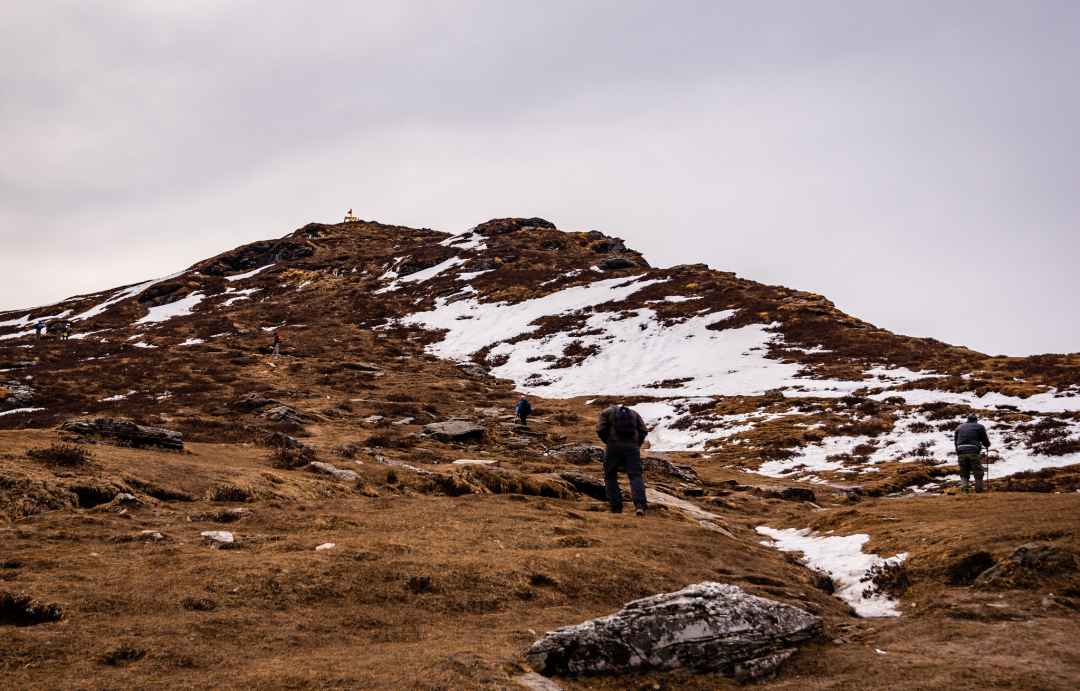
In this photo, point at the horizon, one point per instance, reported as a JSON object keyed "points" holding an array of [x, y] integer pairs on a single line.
{"points": [[914, 165]]}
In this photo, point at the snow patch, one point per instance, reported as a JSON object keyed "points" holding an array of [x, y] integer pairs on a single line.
{"points": [[842, 558], [249, 274], [20, 410], [180, 308]]}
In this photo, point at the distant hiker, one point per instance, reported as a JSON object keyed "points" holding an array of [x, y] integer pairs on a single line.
{"points": [[623, 431], [523, 410], [66, 332], [39, 327], [277, 343], [970, 440]]}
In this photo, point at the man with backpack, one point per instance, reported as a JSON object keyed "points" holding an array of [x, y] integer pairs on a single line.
{"points": [[971, 438], [523, 410], [623, 431]]}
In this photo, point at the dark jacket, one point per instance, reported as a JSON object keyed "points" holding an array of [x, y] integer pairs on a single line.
{"points": [[971, 437], [605, 428], [523, 409]]}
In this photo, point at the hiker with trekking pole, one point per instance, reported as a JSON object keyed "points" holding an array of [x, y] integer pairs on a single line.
{"points": [[970, 439]]}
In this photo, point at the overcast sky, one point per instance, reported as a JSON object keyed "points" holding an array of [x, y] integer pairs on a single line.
{"points": [[916, 162]]}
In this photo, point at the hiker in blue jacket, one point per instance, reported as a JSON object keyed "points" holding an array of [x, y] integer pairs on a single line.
{"points": [[623, 432], [970, 439], [523, 410]]}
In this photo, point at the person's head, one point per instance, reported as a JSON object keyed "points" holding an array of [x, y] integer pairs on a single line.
{"points": [[973, 418], [524, 397]]}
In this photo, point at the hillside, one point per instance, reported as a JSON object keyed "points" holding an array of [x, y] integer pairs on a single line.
{"points": [[770, 409]]}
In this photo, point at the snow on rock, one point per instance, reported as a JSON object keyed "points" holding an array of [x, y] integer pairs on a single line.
{"points": [[221, 537], [469, 241], [238, 295], [249, 274], [121, 295], [422, 275], [472, 325], [192, 342], [842, 558], [16, 411], [1048, 402], [180, 308]]}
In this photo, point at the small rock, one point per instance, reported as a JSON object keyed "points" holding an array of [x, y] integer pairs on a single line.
{"points": [[474, 461], [404, 421], [284, 413], [535, 682], [325, 547], [221, 537], [455, 431], [372, 419], [151, 536], [333, 471]]}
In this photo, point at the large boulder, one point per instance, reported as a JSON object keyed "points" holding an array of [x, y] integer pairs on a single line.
{"points": [[708, 627], [126, 432], [456, 430]]}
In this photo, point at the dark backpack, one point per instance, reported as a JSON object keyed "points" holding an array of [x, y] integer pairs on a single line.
{"points": [[625, 425]]}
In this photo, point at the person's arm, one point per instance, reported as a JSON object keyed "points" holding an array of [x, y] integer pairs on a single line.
{"points": [[643, 431], [984, 437], [603, 427]]}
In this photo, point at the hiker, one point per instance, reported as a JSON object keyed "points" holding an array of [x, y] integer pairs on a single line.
{"points": [[970, 440], [39, 327], [277, 343], [523, 410], [623, 432], [66, 333]]}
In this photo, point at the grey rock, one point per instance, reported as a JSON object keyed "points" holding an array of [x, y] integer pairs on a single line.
{"points": [[333, 471], [579, 454], [455, 430], [284, 413], [360, 366], [127, 432], [372, 419], [708, 627], [252, 402], [666, 467], [615, 263], [14, 395], [473, 370]]}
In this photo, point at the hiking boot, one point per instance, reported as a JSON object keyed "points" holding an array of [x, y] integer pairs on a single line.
{"points": [[639, 512]]}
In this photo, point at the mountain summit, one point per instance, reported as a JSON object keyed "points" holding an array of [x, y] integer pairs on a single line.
{"points": [[297, 465]]}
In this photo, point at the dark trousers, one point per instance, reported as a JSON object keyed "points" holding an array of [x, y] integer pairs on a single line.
{"points": [[971, 464], [523, 420], [628, 460]]}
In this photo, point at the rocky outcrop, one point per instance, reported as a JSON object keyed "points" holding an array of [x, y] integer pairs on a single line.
{"points": [[708, 627], [652, 464], [455, 431], [14, 395], [255, 256], [1028, 566], [579, 454], [126, 432], [253, 401], [503, 226]]}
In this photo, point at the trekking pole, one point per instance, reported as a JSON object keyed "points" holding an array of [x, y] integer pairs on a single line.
{"points": [[987, 457]]}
